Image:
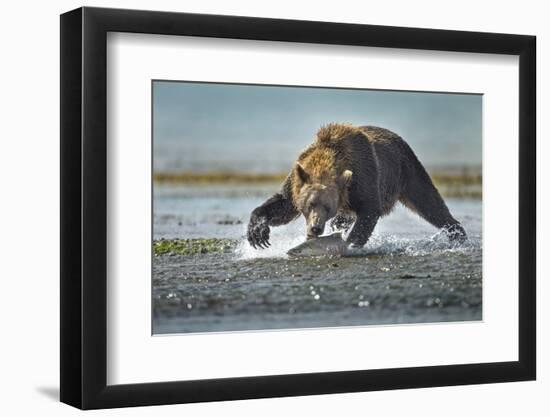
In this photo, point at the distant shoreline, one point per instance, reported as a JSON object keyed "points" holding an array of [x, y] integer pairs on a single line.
{"points": [[460, 185], [218, 177]]}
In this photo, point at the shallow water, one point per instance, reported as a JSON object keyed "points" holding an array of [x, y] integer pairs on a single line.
{"points": [[409, 274]]}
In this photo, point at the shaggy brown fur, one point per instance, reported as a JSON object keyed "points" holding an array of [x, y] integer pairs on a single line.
{"points": [[352, 175]]}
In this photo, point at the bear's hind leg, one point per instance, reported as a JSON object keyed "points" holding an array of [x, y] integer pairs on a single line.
{"points": [[421, 196]]}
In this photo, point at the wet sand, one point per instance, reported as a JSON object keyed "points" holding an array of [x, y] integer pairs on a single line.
{"points": [[409, 274]]}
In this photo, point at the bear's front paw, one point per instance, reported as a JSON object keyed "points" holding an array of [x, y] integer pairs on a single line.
{"points": [[258, 235], [355, 246], [356, 241]]}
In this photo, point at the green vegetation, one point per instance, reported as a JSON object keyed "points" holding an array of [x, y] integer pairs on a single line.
{"points": [[217, 177], [460, 185], [192, 246]]}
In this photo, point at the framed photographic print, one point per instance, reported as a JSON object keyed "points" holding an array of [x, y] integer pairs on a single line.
{"points": [[258, 207]]}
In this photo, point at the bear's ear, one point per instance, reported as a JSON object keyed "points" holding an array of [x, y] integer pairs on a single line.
{"points": [[345, 178], [302, 173]]}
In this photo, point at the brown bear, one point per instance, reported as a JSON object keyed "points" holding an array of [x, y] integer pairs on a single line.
{"points": [[352, 175]]}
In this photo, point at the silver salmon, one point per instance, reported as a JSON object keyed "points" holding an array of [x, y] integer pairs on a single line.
{"points": [[330, 245]]}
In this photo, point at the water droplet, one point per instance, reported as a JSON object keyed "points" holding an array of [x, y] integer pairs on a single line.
{"points": [[317, 296], [189, 306]]}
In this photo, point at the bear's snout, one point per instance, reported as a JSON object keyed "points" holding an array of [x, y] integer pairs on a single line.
{"points": [[314, 231]]}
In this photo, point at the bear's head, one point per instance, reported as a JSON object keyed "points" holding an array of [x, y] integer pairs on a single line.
{"points": [[319, 199]]}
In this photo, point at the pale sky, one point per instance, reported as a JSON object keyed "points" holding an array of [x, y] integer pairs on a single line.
{"points": [[251, 128]]}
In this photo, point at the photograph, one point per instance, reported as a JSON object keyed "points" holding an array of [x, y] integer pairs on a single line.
{"points": [[300, 207], [267, 205]]}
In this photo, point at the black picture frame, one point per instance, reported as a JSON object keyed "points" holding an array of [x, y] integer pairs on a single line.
{"points": [[84, 207]]}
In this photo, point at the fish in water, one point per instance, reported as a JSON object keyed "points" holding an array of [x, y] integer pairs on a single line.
{"points": [[329, 245]]}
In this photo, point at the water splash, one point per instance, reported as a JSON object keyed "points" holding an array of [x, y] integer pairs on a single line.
{"points": [[379, 244], [281, 239], [390, 244], [401, 233]]}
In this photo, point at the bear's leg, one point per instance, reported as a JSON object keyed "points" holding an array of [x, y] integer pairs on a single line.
{"points": [[275, 211], [422, 197], [362, 229]]}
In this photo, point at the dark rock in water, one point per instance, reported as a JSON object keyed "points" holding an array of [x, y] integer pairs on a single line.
{"points": [[407, 276], [229, 221]]}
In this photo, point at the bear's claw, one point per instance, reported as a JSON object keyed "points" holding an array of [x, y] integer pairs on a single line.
{"points": [[258, 235]]}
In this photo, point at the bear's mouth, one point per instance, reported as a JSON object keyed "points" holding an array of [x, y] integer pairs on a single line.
{"points": [[310, 236]]}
